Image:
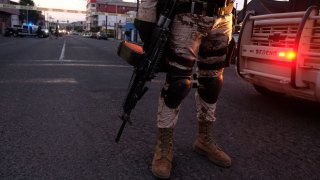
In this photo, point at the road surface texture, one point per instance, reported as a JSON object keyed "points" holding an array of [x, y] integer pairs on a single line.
{"points": [[59, 105]]}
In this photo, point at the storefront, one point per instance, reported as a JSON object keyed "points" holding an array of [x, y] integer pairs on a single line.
{"points": [[8, 17]]}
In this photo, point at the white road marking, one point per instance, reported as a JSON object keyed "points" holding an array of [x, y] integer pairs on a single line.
{"points": [[72, 64], [63, 50], [64, 60], [80, 47], [158, 81], [41, 81]]}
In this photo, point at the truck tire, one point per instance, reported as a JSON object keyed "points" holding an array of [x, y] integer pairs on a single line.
{"points": [[267, 92]]}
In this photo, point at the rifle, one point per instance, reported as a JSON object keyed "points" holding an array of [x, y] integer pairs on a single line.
{"points": [[148, 66]]}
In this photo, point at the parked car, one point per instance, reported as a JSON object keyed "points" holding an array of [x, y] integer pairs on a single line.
{"points": [[75, 33], [43, 33], [102, 35], [93, 35], [86, 34], [9, 32]]}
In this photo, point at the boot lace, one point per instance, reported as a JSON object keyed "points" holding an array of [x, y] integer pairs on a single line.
{"points": [[166, 142], [208, 137]]}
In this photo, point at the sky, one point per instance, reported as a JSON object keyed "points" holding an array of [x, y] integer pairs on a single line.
{"points": [[64, 4], [80, 5]]}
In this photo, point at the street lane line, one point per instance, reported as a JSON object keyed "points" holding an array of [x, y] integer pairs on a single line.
{"points": [[65, 60], [72, 64], [40, 81], [157, 81], [80, 47], [63, 50]]}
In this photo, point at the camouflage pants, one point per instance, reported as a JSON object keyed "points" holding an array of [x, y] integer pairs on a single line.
{"points": [[195, 39]]}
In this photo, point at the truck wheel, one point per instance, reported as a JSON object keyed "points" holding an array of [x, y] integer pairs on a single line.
{"points": [[267, 92]]}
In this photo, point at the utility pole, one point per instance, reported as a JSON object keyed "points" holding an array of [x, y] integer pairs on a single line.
{"points": [[117, 13], [28, 18], [47, 24], [27, 14], [106, 18], [138, 6]]}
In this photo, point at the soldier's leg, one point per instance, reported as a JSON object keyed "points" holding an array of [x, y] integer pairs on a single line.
{"points": [[183, 47], [212, 55]]}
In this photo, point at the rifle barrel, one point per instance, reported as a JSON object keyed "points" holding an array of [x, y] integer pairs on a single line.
{"points": [[121, 130]]}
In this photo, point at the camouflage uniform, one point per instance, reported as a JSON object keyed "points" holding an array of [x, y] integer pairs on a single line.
{"points": [[194, 39]]}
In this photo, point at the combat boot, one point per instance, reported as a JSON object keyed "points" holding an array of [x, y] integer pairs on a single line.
{"points": [[205, 145], [163, 155]]}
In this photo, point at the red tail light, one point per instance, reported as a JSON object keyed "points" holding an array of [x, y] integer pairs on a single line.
{"points": [[290, 56]]}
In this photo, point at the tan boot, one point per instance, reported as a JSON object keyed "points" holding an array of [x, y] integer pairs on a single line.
{"points": [[163, 155], [206, 146]]}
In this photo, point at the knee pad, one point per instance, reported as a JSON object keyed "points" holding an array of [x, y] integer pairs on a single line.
{"points": [[209, 88], [178, 89]]}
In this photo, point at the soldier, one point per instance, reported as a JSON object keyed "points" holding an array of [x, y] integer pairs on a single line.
{"points": [[56, 32], [39, 31], [200, 33]]}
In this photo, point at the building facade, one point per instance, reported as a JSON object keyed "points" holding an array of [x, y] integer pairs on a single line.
{"points": [[8, 17], [120, 12]]}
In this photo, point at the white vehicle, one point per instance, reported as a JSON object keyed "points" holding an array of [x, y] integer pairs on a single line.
{"points": [[29, 30], [280, 53], [87, 34]]}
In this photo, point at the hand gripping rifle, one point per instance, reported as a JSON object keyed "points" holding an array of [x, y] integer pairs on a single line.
{"points": [[149, 63]]}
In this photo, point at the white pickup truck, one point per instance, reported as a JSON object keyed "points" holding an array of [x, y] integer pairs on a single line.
{"points": [[26, 30], [280, 53]]}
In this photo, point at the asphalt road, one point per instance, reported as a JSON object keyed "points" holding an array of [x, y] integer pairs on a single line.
{"points": [[59, 105]]}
